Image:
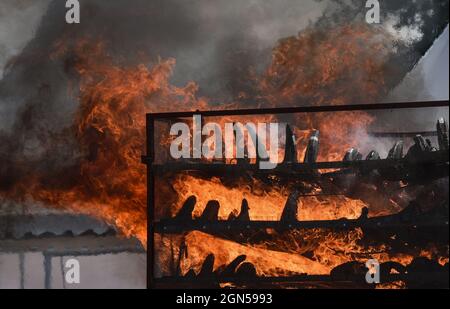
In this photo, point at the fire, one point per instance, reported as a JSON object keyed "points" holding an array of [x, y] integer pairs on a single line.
{"points": [[337, 66], [266, 203], [270, 262], [110, 182], [334, 66], [302, 72], [342, 65]]}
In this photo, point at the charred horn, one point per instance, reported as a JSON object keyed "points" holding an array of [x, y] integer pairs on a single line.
{"points": [[352, 155], [442, 131], [211, 212], [312, 150], [373, 155], [290, 149], [290, 209], [186, 210], [396, 151], [244, 214]]}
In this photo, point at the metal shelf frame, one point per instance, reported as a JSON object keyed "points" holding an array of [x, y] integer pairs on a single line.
{"points": [[155, 169]]}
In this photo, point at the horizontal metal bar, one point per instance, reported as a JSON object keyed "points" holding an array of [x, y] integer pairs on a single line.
{"points": [[402, 134], [301, 278], [176, 226], [197, 280], [300, 109], [436, 157]]}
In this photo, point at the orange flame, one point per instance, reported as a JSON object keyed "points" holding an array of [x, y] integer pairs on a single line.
{"points": [[342, 65], [110, 182]]}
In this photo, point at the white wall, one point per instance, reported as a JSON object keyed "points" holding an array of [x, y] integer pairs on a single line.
{"points": [[110, 271], [9, 271]]}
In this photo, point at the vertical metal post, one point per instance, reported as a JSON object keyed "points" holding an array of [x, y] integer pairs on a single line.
{"points": [[22, 269], [48, 270], [150, 200]]}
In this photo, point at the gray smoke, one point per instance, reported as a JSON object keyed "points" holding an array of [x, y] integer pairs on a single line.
{"points": [[214, 43], [19, 20]]}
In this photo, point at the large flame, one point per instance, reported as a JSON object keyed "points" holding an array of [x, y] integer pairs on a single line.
{"points": [[266, 202], [110, 181], [110, 125], [337, 66]]}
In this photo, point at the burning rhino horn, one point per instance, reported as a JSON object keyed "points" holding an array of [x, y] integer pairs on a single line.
{"points": [[387, 269], [187, 209], [190, 274], [290, 148], [420, 143], [233, 215], [441, 128], [230, 269], [352, 155], [290, 209], [373, 155], [364, 213], [312, 150], [211, 212], [207, 267], [396, 151], [416, 151], [350, 271], [244, 215], [246, 270]]}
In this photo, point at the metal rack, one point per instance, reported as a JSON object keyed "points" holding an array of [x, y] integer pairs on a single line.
{"points": [[168, 226]]}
